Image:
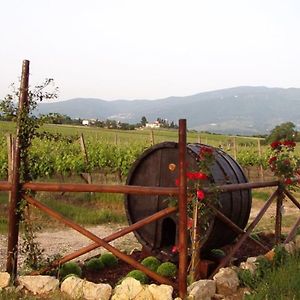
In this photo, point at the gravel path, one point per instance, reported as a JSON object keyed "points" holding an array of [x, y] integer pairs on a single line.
{"points": [[65, 241]]}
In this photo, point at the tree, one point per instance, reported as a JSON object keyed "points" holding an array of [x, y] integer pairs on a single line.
{"points": [[144, 121], [284, 131], [44, 91]]}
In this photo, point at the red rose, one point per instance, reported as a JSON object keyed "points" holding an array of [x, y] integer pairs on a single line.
{"points": [[177, 182], [288, 181], [200, 195], [205, 152], [190, 222], [290, 144], [200, 175], [272, 159], [276, 145], [174, 249], [190, 175]]}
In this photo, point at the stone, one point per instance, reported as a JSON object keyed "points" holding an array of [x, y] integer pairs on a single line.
{"points": [[227, 281], [249, 265], [40, 284], [144, 294], [4, 279], [252, 259], [290, 247], [128, 289], [73, 287], [297, 242], [202, 290], [161, 292], [77, 288]]}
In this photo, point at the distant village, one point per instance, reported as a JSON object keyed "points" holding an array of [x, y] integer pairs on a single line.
{"points": [[56, 118], [113, 124]]}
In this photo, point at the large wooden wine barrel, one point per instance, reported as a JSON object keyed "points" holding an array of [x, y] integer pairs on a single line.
{"points": [[153, 169]]}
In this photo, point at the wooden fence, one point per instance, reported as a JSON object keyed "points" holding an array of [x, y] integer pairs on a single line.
{"points": [[18, 191]]}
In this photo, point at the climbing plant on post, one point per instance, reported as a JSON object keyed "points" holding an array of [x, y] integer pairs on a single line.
{"points": [[14, 214], [27, 126]]}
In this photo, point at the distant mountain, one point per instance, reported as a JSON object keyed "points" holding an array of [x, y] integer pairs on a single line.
{"points": [[239, 110]]}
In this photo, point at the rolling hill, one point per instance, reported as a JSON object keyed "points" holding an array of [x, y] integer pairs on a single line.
{"points": [[239, 110]]}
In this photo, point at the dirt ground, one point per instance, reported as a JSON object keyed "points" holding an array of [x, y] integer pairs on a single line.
{"points": [[65, 241]]}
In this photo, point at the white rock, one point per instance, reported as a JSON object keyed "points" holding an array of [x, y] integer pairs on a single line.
{"points": [[144, 294], [39, 284], [127, 290], [252, 259], [4, 279], [290, 247], [78, 288], [227, 281], [161, 292], [72, 286], [251, 266], [202, 290]]}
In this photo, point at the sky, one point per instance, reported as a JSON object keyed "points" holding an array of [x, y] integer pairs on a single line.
{"points": [[150, 49]]}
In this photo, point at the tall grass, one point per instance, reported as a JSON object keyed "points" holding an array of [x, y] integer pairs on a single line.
{"points": [[282, 283]]}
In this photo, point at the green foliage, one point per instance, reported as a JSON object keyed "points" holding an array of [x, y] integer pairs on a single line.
{"points": [[108, 259], [217, 253], [263, 266], [94, 264], [167, 269], [69, 268], [281, 256], [282, 282], [31, 248], [248, 279], [284, 131], [151, 263], [138, 275]]}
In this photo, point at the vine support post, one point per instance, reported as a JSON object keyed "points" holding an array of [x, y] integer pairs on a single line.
{"points": [[152, 137], [234, 148], [13, 213], [182, 208], [261, 169], [278, 220]]}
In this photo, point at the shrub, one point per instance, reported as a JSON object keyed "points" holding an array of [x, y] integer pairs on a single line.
{"points": [[167, 269], [248, 279], [280, 256], [94, 264], [138, 275], [108, 260], [151, 263], [69, 268], [264, 266]]}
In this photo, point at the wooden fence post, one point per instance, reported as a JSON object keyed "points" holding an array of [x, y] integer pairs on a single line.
{"points": [[13, 213], [182, 208]]}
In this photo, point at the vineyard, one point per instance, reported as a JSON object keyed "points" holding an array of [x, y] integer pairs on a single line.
{"points": [[114, 151]]}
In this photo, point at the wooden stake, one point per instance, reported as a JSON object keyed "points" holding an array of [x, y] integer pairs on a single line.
{"points": [[13, 214], [182, 207], [261, 169]]}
